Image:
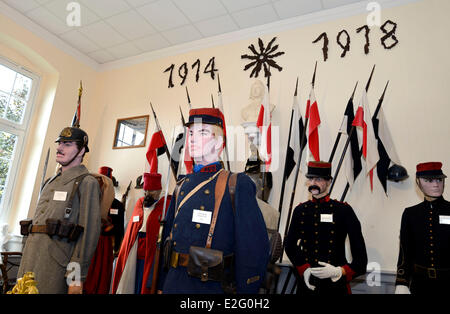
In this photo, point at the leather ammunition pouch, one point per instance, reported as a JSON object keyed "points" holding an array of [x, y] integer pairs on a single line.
{"points": [[25, 226], [52, 226], [205, 264]]}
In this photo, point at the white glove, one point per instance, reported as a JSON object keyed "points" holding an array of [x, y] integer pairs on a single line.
{"points": [[327, 271], [402, 289], [306, 275]]}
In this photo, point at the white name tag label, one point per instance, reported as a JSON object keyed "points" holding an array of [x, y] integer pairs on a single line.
{"points": [[201, 216], [135, 218], [114, 211], [444, 220], [60, 196], [326, 217]]}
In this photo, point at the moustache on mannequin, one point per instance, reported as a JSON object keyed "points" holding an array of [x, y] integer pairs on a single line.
{"points": [[149, 201], [314, 187]]}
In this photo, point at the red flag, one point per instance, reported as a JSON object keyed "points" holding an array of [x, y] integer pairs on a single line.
{"points": [[369, 146], [188, 162], [155, 149], [264, 124], [314, 122]]}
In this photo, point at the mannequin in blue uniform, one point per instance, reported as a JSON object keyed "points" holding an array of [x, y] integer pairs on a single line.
{"points": [[423, 265], [240, 232]]}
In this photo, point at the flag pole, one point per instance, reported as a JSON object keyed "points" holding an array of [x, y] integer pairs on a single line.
{"points": [[338, 137], [297, 170], [348, 142], [219, 94], [283, 184]]}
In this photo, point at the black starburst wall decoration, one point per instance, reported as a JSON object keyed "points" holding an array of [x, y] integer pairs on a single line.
{"points": [[264, 59]]}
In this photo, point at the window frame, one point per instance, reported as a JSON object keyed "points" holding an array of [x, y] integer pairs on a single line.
{"points": [[21, 131]]}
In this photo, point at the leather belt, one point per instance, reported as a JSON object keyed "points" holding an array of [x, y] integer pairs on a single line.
{"points": [[182, 259], [38, 229], [432, 273]]}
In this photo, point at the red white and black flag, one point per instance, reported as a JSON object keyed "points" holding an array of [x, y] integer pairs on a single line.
{"points": [[155, 148], [312, 112], [265, 128], [363, 120], [353, 165]]}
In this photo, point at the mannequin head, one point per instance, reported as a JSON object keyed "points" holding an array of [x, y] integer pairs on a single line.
{"points": [[430, 179], [318, 178]]}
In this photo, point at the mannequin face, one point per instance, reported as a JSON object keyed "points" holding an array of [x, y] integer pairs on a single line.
{"points": [[204, 146], [431, 187], [68, 155], [318, 187]]}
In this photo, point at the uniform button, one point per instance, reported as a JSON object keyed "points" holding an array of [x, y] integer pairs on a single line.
{"points": [[302, 222], [317, 206], [431, 237], [329, 251], [332, 231], [331, 205], [316, 224], [304, 241], [182, 193], [432, 265], [175, 226], [197, 226], [431, 251], [316, 260], [174, 243], [306, 259], [431, 244], [432, 258], [316, 242], [316, 233], [202, 207], [187, 180], [315, 215], [331, 241], [207, 192], [316, 251], [302, 232], [303, 213]]}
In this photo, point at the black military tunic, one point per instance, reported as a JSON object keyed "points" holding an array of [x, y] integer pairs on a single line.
{"points": [[424, 257], [317, 233]]}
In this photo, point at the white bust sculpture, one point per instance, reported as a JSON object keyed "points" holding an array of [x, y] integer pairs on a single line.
{"points": [[250, 112]]}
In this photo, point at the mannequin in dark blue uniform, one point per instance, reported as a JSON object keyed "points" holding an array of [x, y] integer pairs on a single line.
{"points": [[239, 232]]}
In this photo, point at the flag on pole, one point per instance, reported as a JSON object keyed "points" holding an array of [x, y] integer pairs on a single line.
{"points": [[297, 131], [386, 148], [155, 149], [369, 146], [312, 111], [77, 116], [352, 158], [265, 127]]}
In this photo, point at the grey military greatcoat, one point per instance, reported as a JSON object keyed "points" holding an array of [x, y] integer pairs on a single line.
{"points": [[47, 256]]}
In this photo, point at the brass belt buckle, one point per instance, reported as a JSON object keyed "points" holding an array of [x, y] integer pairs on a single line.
{"points": [[174, 259], [431, 273]]}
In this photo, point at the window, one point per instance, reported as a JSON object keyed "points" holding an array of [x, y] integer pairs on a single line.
{"points": [[17, 90]]}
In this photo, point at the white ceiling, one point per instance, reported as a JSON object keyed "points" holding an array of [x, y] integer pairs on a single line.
{"points": [[116, 29]]}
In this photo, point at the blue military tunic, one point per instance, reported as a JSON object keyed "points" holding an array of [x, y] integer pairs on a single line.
{"points": [[317, 234], [242, 233]]}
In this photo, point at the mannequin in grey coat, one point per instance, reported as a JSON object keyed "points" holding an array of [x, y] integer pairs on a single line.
{"points": [[60, 265]]}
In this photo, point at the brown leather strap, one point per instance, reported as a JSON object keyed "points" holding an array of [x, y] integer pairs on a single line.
{"points": [[221, 184], [195, 190], [38, 229]]}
